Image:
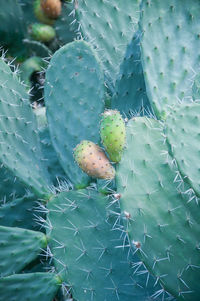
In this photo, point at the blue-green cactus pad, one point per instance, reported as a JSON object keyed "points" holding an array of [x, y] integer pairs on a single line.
{"points": [[109, 26], [130, 96], [21, 213], [88, 252], [64, 26], [196, 88], [162, 222], [170, 50], [12, 26], [19, 144], [74, 92], [10, 186], [36, 48], [183, 132], [51, 161], [29, 287], [18, 247]]}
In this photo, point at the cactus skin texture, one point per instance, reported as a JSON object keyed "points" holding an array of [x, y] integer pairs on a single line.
{"points": [[20, 212], [113, 135], [20, 147], [42, 33], [18, 248], [130, 97], [74, 103], [182, 132], [109, 27], [92, 160], [169, 57], [51, 8], [86, 249], [29, 286], [161, 220]]}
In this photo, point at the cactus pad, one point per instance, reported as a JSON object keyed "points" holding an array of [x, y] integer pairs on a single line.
{"points": [[87, 250], [29, 286], [162, 224], [20, 148], [18, 248], [109, 27], [183, 131], [170, 50], [74, 92]]}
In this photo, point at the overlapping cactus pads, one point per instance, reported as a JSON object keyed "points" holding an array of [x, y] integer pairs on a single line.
{"points": [[100, 169]]}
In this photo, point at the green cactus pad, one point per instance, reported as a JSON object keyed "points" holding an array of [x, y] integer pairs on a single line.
{"points": [[170, 50], [10, 186], [87, 250], [12, 26], [113, 134], [65, 30], [74, 92], [51, 161], [29, 287], [162, 223], [21, 213], [20, 148], [183, 131], [109, 27], [130, 95], [18, 248], [36, 48]]}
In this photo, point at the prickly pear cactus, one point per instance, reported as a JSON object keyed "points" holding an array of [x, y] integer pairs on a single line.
{"points": [[109, 27], [89, 257], [160, 218], [169, 57], [74, 102]]}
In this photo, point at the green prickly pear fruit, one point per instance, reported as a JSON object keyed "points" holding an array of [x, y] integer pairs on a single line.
{"points": [[39, 13], [113, 134], [51, 8], [93, 161], [42, 32]]}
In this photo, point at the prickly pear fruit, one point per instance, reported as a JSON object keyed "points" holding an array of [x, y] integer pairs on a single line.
{"points": [[93, 161], [42, 32], [51, 8], [39, 13], [113, 134]]}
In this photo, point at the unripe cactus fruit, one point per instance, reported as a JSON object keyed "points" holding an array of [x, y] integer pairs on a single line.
{"points": [[51, 8], [39, 13], [92, 160], [113, 134], [41, 32]]}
